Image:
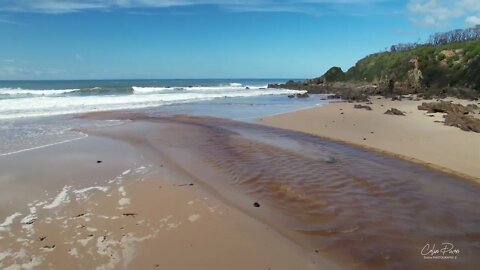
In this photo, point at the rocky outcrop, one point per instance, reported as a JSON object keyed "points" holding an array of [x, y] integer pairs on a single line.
{"points": [[415, 76], [457, 115], [462, 121], [444, 107]]}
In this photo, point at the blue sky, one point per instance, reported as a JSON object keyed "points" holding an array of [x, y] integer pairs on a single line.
{"points": [[122, 39]]}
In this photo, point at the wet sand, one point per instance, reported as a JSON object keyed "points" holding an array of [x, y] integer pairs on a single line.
{"points": [[62, 209], [419, 136], [189, 192]]}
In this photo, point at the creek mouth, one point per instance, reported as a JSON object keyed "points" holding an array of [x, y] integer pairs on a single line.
{"points": [[363, 209]]}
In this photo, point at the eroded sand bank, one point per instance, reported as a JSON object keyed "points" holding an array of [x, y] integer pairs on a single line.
{"points": [[417, 135]]}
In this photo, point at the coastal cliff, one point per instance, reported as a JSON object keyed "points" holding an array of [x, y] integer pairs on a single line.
{"points": [[447, 65]]}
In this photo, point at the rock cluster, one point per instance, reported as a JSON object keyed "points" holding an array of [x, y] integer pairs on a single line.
{"points": [[464, 122], [457, 115]]}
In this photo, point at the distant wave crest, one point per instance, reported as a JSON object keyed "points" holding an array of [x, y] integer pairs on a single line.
{"points": [[42, 92]]}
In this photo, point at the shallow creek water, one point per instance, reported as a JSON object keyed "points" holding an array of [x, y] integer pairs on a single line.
{"points": [[363, 209]]}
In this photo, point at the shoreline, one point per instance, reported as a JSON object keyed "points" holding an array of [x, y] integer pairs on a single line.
{"points": [[307, 121]]}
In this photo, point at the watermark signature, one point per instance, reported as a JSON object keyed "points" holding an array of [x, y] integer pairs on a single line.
{"points": [[446, 251]]}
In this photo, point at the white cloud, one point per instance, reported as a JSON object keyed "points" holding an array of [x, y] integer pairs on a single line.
{"points": [[68, 6], [472, 20], [439, 13]]}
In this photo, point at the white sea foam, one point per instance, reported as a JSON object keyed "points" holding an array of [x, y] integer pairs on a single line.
{"points": [[42, 92], [62, 197], [143, 97], [85, 192], [9, 220]]}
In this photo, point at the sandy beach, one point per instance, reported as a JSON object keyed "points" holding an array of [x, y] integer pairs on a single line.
{"points": [[418, 136], [183, 192]]}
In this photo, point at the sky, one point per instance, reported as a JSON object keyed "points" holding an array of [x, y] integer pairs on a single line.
{"points": [[176, 39]]}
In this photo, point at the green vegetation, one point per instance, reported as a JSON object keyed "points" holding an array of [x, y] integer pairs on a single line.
{"points": [[452, 64], [334, 74]]}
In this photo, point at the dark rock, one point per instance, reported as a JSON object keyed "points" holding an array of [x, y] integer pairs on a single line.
{"points": [[291, 96], [336, 96], [302, 95], [399, 98], [462, 121], [394, 111], [330, 160], [41, 238], [183, 185], [256, 204], [247, 88], [358, 106], [99, 161], [444, 107]]}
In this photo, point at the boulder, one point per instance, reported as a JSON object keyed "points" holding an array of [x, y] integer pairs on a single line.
{"points": [[358, 106], [335, 96], [394, 111], [302, 95]]}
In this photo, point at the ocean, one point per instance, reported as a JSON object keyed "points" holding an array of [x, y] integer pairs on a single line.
{"points": [[38, 113]]}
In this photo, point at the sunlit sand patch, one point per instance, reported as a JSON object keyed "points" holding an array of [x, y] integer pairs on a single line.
{"points": [[194, 218], [190, 202]]}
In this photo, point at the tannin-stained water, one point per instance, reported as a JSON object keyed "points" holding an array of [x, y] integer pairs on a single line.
{"points": [[367, 210]]}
